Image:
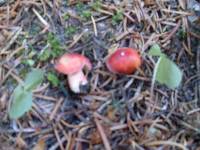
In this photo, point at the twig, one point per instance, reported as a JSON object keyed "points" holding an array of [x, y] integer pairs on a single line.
{"points": [[14, 52], [103, 135], [58, 138], [187, 49], [172, 33], [44, 97], [171, 143], [94, 26], [56, 145], [118, 127], [122, 35], [77, 38], [16, 34], [41, 19], [97, 20], [177, 12], [10, 72], [193, 111], [55, 109]]}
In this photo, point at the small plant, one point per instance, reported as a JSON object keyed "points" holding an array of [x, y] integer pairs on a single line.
{"points": [[96, 5], [83, 11], [29, 59], [66, 16], [69, 31], [54, 49], [86, 14], [53, 79], [182, 34], [55, 45], [29, 62], [117, 17], [22, 96], [80, 6], [45, 55], [34, 29], [165, 71]]}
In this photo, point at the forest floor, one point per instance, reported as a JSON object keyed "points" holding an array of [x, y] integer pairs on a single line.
{"points": [[120, 112]]}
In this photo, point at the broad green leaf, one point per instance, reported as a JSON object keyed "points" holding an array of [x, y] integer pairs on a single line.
{"points": [[33, 79], [155, 50], [167, 72], [21, 102]]}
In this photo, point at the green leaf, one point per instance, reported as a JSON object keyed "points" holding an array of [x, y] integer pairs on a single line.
{"points": [[33, 79], [167, 72], [22, 95], [29, 62], [52, 78], [155, 50], [21, 102]]}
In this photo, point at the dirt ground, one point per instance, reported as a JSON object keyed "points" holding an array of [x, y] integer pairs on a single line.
{"points": [[119, 112]]}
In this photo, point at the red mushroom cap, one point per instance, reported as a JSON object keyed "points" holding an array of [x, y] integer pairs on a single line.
{"points": [[123, 61], [72, 63]]}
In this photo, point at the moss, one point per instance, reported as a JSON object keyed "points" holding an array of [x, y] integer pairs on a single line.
{"points": [[54, 50], [69, 31], [53, 79], [117, 17]]}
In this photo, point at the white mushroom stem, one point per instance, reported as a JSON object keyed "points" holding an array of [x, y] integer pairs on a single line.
{"points": [[75, 80]]}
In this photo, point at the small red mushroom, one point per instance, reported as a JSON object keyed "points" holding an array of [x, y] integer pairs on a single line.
{"points": [[123, 61], [72, 65]]}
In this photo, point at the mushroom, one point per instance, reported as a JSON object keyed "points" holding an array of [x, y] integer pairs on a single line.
{"points": [[123, 61], [72, 65]]}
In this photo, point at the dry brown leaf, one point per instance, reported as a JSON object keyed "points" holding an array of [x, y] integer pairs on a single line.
{"points": [[21, 144], [95, 136], [111, 113], [40, 145], [149, 2], [94, 105], [5, 144]]}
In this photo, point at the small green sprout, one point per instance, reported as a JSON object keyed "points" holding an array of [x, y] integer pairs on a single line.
{"points": [[69, 31], [45, 55], [96, 5], [66, 16], [53, 79], [86, 14], [117, 17], [54, 50], [182, 34], [55, 45]]}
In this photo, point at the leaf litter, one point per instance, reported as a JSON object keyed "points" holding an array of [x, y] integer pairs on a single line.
{"points": [[168, 119]]}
